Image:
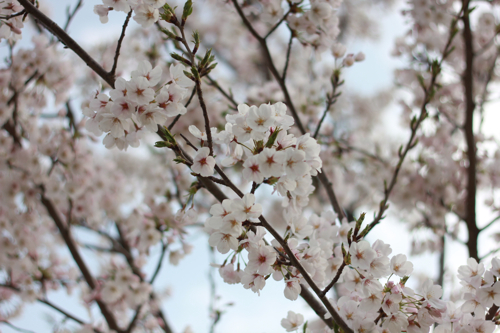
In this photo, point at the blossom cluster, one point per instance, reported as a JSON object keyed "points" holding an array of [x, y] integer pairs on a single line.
{"points": [[135, 106], [315, 24], [146, 12], [258, 139]]}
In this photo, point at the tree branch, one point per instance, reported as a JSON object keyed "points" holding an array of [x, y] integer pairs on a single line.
{"points": [[468, 81], [67, 40], [66, 235]]}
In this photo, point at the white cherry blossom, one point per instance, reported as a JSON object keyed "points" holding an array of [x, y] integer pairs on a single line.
{"points": [[203, 163]]}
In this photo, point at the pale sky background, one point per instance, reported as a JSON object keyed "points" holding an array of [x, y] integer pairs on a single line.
{"points": [[190, 298]]}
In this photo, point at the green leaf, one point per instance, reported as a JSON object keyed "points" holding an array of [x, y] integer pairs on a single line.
{"points": [[162, 144], [272, 138], [180, 58], [188, 9], [194, 70], [206, 58]]}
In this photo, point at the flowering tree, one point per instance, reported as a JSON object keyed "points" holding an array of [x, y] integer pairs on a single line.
{"points": [[279, 173]]}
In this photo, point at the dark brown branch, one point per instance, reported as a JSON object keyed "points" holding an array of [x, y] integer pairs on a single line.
{"points": [[71, 117], [65, 232], [8, 17], [336, 317], [328, 185], [492, 312], [205, 116], [112, 72], [468, 80], [442, 256], [67, 40]]}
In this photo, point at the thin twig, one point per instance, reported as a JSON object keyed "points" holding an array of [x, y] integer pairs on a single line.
{"points": [[8, 17], [19, 329], [53, 306], [287, 61], [415, 124], [205, 116], [490, 223], [272, 67], [346, 146], [489, 254], [188, 142], [112, 72], [164, 248], [179, 115], [331, 99], [218, 87], [72, 14], [277, 24], [484, 94], [335, 279], [71, 117]]}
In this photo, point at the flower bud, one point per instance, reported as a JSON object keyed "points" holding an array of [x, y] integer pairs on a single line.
{"points": [[359, 57], [349, 60], [338, 50]]}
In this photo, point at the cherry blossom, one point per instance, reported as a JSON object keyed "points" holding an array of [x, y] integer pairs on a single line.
{"points": [[203, 163]]}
